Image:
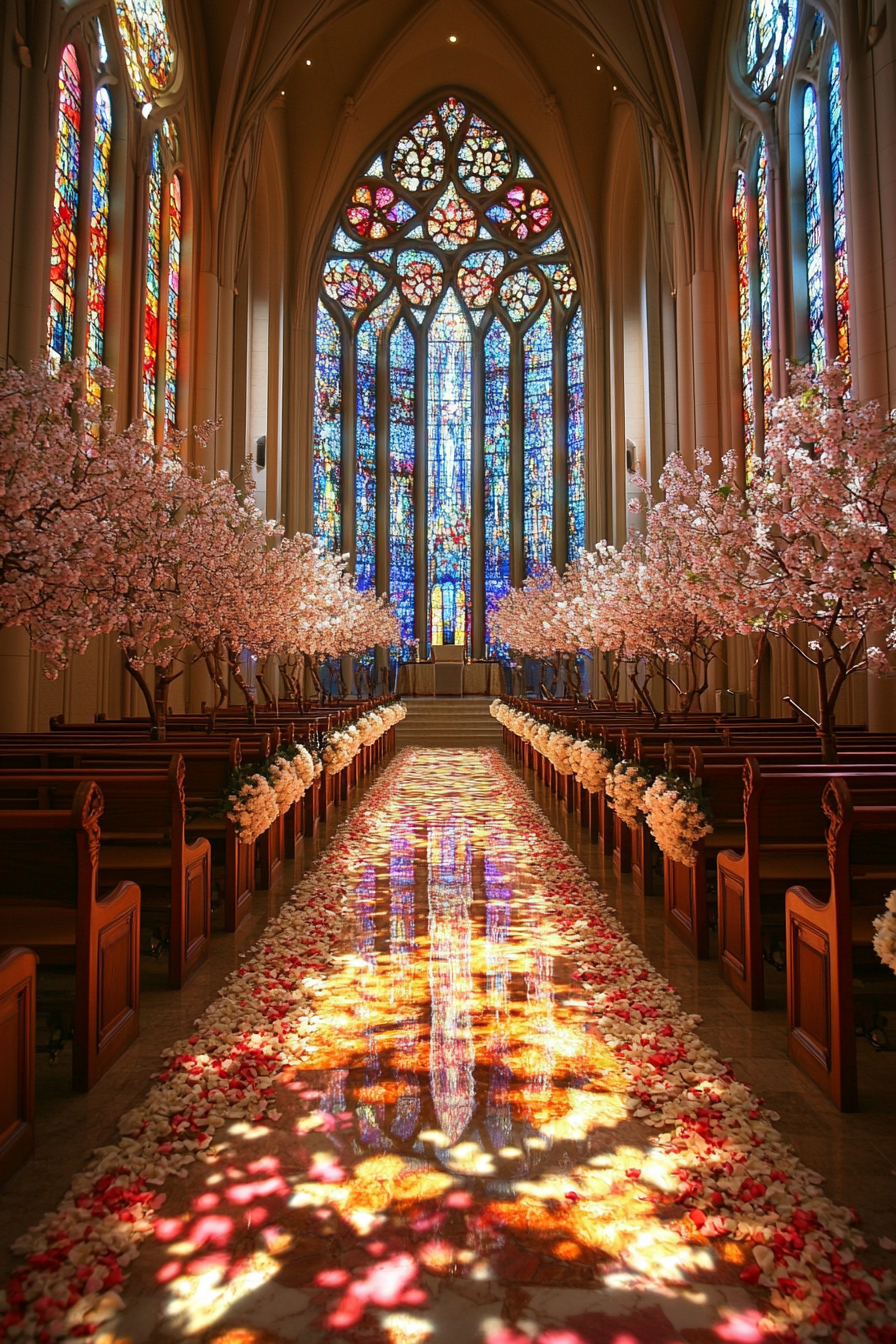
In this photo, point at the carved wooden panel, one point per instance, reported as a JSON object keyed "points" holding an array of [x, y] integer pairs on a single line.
{"points": [[811, 993], [732, 922], [116, 991], [197, 913]]}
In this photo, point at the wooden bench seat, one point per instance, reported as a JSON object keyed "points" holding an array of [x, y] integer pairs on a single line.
{"points": [[829, 940], [49, 890]]}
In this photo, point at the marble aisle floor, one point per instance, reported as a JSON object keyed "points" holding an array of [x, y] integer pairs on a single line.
{"points": [[415, 1186], [420, 1180]]}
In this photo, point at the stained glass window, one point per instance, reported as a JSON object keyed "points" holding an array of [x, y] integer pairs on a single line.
{"points": [[765, 268], [497, 466], [175, 240], [838, 195], [402, 446], [771, 27], [538, 484], [153, 283], [575, 433], [147, 46], [64, 249], [814, 256], [366, 348], [451, 232], [99, 239], [327, 483], [450, 451], [744, 306]]}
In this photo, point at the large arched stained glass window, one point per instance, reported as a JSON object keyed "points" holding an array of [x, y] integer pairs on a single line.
{"points": [[449, 428], [64, 251]]}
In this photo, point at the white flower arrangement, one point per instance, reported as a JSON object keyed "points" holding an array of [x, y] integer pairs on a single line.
{"points": [[558, 749], [303, 766], [625, 788], [253, 809], [677, 817], [593, 764], [286, 783], [340, 750], [884, 940]]}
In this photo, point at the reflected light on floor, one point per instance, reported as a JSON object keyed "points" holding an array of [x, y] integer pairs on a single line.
{"points": [[457, 1126]]}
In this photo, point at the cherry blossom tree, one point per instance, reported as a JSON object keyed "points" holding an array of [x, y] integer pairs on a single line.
{"points": [[55, 522]]}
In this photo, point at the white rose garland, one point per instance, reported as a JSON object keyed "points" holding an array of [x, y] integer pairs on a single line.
{"points": [[288, 787], [675, 817], [625, 788], [594, 765], [253, 809]]}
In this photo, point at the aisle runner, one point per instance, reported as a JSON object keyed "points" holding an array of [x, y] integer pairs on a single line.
{"points": [[426, 1122]]}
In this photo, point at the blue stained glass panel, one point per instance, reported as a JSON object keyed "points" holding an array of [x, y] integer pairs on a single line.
{"points": [[327, 461], [575, 433], [771, 28], [814, 257], [538, 443], [402, 445], [496, 469], [838, 196], [448, 483], [365, 442]]}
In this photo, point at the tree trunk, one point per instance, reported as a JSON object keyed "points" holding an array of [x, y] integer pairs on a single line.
{"points": [[147, 694], [759, 644], [827, 700]]}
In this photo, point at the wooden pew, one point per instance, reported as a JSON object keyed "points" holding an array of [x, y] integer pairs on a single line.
{"points": [[209, 767], [828, 940], [784, 845], [720, 769], [50, 902], [18, 997], [143, 839]]}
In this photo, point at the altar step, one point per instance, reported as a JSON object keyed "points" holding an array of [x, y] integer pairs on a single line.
{"points": [[449, 721]]}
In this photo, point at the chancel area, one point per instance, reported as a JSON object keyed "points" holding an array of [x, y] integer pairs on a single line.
{"points": [[447, 671]]}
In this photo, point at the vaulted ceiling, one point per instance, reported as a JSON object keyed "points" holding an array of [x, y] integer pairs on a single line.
{"points": [[344, 73]]}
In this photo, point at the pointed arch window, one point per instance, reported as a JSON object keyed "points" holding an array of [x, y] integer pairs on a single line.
{"points": [[66, 187], [782, 39], [754, 290], [162, 284], [824, 173], [82, 169], [449, 382]]}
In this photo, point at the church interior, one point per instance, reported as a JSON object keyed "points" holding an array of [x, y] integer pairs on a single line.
{"points": [[447, 671]]}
